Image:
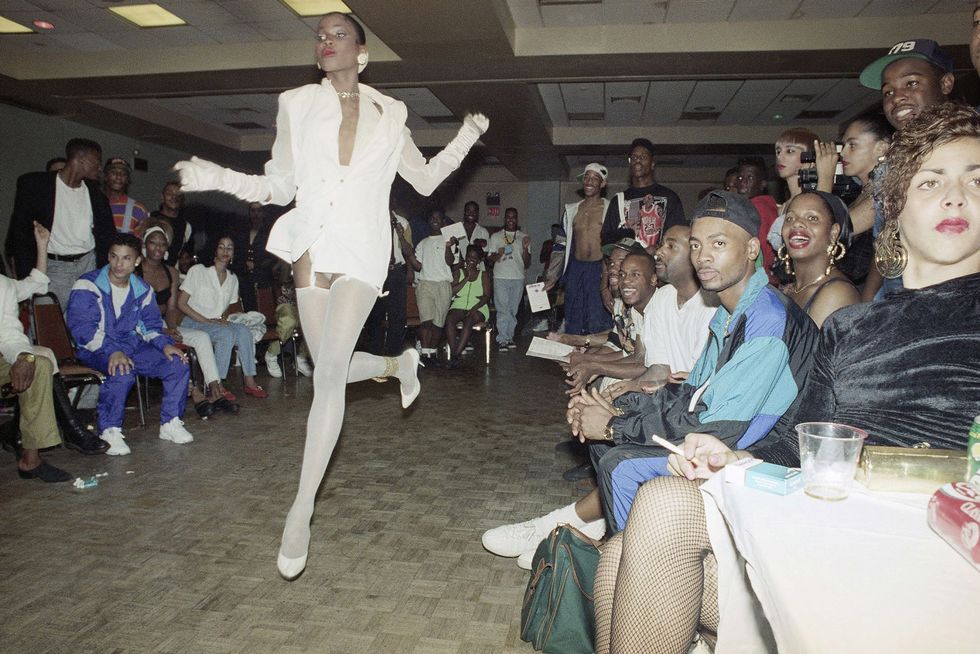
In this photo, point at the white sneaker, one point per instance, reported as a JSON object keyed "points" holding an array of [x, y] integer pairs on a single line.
{"points": [[117, 442], [303, 365], [272, 365], [594, 530], [174, 431], [514, 540]]}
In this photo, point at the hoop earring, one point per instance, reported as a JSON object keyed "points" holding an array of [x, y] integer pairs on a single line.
{"points": [[362, 62], [890, 255], [835, 252], [783, 255]]}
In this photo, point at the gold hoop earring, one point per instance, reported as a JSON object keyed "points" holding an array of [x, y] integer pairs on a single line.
{"points": [[890, 255], [783, 255], [835, 252]]}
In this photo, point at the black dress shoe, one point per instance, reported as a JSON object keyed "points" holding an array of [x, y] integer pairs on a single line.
{"points": [[205, 409], [583, 471], [45, 472], [85, 442], [223, 405]]}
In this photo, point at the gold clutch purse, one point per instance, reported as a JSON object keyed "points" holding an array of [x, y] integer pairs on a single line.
{"points": [[917, 469]]}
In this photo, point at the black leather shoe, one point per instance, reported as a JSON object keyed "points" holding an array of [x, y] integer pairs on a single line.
{"points": [[205, 409], [223, 405], [45, 472], [85, 442]]}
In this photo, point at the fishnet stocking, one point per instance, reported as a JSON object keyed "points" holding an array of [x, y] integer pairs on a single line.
{"points": [[666, 578], [332, 320]]}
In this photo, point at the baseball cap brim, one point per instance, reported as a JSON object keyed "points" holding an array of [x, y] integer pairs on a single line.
{"points": [[871, 75]]}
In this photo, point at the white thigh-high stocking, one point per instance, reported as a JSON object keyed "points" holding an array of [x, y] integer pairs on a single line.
{"points": [[332, 321]]}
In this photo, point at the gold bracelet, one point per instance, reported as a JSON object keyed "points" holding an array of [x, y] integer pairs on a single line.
{"points": [[607, 435]]}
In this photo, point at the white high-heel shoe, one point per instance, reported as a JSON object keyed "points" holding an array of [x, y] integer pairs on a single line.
{"points": [[289, 569], [408, 398]]}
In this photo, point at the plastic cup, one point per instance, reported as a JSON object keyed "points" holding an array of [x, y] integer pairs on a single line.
{"points": [[829, 456]]}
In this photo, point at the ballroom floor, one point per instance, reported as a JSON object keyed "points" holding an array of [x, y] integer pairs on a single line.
{"points": [[175, 550]]}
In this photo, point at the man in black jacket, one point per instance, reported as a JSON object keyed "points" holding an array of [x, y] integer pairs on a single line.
{"points": [[70, 204]]}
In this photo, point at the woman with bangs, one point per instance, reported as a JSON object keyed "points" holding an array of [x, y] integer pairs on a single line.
{"points": [[906, 370]]}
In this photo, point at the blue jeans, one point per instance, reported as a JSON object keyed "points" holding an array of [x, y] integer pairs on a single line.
{"points": [[507, 294], [224, 338]]}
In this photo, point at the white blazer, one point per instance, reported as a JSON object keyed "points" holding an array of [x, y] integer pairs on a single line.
{"points": [[341, 215]]}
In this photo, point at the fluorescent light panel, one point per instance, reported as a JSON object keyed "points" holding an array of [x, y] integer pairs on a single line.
{"points": [[8, 26], [147, 15], [316, 7]]}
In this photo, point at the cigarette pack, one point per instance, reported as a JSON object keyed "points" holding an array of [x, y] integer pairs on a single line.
{"points": [[775, 479], [735, 472], [954, 514]]}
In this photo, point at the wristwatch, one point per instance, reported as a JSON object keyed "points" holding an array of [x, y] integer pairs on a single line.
{"points": [[26, 356]]}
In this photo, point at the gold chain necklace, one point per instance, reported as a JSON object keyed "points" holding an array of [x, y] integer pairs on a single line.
{"points": [[796, 290], [347, 95]]}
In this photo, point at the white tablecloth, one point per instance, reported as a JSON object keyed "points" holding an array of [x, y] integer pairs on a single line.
{"points": [[865, 574]]}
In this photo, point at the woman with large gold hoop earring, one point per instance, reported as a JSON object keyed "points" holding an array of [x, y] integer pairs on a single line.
{"points": [[338, 147], [815, 234]]}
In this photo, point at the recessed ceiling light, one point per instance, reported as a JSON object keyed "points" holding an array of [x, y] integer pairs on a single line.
{"points": [[316, 7], [42, 25], [8, 26], [777, 116], [147, 15]]}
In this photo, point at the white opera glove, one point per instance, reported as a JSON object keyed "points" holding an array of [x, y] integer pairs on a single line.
{"points": [[474, 125], [202, 175]]}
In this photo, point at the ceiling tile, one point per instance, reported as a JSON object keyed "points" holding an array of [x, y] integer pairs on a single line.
{"points": [[237, 33], [666, 101], [199, 12], [621, 109], [699, 11], [712, 93], [253, 12], [624, 12], [93, 19], [950, 6], [830, 9], [750, 10], [584, 98], [62, 25], [421, 101], [895, 8], [751, 99], [285, 30], [159, 37], [554, 104], [84, 42]]}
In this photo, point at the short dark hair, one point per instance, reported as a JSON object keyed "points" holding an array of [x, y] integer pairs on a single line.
{"points": [[731, 171], [358, 29], [752, 161], [514, 209], [129, 240], [646, 256], [76, 147], [643, 143], [473, 247], [56, 160], [473, 202]]}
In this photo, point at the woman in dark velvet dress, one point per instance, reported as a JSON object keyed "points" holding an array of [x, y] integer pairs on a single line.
{"points": [[906, 369]]}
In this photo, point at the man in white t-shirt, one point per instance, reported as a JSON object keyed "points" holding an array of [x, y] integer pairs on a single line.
{"points": [[676, 320], [476, 234], [510, 252], [433, 293]]}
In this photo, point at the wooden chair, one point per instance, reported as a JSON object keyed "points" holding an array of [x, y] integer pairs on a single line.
{"points": [[266, 302], [50, 331]]}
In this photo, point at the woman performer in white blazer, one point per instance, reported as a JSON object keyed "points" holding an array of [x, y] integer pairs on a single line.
{"points": [[338, 146]]}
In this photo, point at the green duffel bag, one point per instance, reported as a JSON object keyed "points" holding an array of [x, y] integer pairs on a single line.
{"points": [[558, 614]]}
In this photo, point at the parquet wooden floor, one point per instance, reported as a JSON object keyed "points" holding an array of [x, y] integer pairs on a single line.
{"points": [[175, 550]]}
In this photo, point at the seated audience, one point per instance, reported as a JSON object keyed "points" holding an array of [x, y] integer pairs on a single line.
{"points": [[171, 211], [114, 319], [756, 358], [816, 235], [31, 373], [729, 184], [906, 370], [471, 297], [433, 256], [205, 297], [164, 282], [287, 320], [676, 320]]}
